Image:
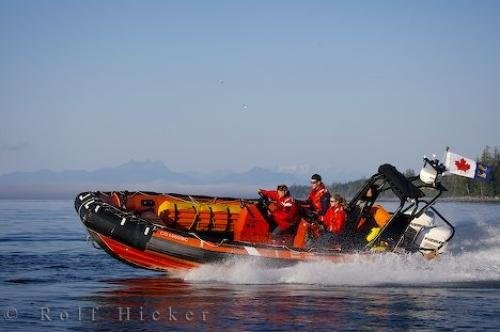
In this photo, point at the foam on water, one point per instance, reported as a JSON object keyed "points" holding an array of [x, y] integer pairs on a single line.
{"points": [[382, 269], [474, 256]]}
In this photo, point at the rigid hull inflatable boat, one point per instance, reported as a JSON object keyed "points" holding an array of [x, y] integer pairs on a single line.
{"points": [[172, 231]]}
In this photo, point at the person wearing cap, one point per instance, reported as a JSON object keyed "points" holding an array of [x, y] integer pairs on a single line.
{"points": [[283, 208], [319, 196]]}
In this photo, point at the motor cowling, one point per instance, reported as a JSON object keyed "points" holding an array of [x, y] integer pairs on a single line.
{"points": [[427, 237], [425, 220], [433, 238]]}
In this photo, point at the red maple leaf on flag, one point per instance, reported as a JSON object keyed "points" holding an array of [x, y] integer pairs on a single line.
{"points": [[462, 165]]}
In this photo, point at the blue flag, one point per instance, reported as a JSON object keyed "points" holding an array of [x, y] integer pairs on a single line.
{"points": [[484, 172]]}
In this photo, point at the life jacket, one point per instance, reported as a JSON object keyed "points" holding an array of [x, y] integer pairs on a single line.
{"points": [[370, 225], [380, 215], [380, 218], [335, 219], [319, 199]]}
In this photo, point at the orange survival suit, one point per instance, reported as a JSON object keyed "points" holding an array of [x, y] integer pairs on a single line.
{"points": [[285, 209]]}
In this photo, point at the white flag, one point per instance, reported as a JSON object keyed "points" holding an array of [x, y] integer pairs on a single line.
{"points": [[459, 165]]}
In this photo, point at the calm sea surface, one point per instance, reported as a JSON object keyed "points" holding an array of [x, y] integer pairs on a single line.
{"points": [[52, 278]]}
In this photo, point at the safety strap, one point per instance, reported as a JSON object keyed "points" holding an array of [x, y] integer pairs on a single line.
{"points": [[196, 219], [211, 223]]}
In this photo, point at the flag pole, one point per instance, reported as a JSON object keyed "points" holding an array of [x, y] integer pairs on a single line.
{"points": [[447, 149]]}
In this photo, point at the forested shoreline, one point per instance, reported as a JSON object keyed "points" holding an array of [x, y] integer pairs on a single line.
{"points": [[459, 188]]}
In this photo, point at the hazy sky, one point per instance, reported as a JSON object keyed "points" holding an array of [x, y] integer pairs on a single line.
{"points": [[207, 85]]}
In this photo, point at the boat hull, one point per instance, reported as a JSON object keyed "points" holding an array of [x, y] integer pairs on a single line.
{"points": [[147, 245]]}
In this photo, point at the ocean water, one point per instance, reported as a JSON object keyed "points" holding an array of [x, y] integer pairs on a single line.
{"points": [[52, 278]]}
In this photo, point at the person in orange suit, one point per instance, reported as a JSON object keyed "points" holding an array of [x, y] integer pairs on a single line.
{"points": [[329, 232], [283, 208], [336, 216], [319, 196]]}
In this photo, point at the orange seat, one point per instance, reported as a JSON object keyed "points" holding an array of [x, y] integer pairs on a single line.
{"points": [[251, 226], [300, 240]]}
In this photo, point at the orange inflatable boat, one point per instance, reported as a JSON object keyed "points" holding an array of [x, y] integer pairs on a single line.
{"points": [[166, 232]]}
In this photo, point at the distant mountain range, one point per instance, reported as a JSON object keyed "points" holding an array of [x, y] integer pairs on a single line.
{"points": [[150, 175], [135, 175]]}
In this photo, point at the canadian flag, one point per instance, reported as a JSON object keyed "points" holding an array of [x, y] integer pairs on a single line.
{"points": [[460, 165]]}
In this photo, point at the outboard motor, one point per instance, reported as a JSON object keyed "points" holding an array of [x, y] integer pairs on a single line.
{"points": [[425, 220], [428, 237], [433, 239], [423, 233]]}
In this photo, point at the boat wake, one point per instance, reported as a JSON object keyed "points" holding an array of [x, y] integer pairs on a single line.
{"points": [[382, 270], [473, 258]]}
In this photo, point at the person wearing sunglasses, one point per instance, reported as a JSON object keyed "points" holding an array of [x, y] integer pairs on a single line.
{"points": [[319, 196], [336, 216], [330, 232], [283, 209]]}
